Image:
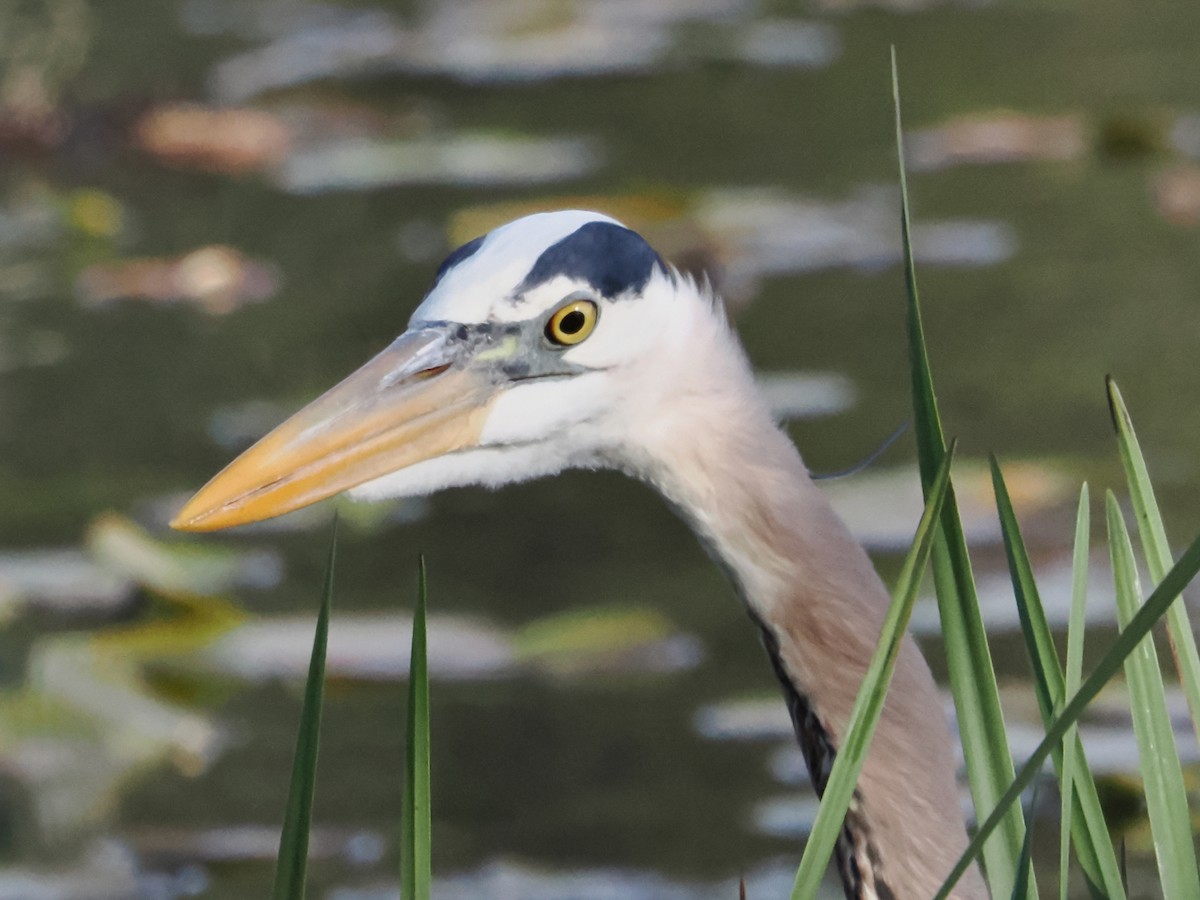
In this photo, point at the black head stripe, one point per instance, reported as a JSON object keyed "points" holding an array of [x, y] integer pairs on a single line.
{"points": [[609, 257], [456, 256]]}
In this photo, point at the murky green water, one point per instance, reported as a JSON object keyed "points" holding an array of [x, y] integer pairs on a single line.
{"points": [[108, 407]]}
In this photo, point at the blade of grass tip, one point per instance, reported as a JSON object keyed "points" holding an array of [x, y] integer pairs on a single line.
{"points": [[1168, 590], [1092, 843], [1162, 775], [852, 750], [1156, 549], [972, 678], [1075, 635], [291, 866], [416, 824]]}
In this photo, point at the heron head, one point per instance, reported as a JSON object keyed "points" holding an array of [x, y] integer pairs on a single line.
{"points": [[530, 354]]}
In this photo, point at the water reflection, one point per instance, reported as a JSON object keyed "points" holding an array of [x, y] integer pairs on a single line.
{"points": [[496, 40]]}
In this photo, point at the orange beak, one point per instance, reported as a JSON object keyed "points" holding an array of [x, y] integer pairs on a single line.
{"points": [[413, 402]]}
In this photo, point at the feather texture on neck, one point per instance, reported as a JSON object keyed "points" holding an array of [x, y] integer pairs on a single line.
{"points": [[737, 478]]}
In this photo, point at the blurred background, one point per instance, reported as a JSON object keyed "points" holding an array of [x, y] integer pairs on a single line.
{"points": [[210, 210]]}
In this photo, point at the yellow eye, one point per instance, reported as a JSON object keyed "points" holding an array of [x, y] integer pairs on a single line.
{"points": [[572, 323]]}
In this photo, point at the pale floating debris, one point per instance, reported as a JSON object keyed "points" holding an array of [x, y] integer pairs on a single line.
{"points": [[964, 243], [229, 140], [1177, 194], [95, 677], [465, 158], [107, 871], [883, 505], [30, 220], [35, 216], [1110, 749], [511, 880], [251, 843], [1111, 707], [793, 816], [747, 719], [765, 234], [216, 278], [787, 42], [1185, 135], [806, 395], [32, 349], [307, 148], [188, 880], [375, 647], [347, 44], [996, 137], [900, 6], [59, 580], [84, 722], [125, 548], [998, 606], [597, 639], [786, 765], [489, 41], [788, 817], [361, 647]]}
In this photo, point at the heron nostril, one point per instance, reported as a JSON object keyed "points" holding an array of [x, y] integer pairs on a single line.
{"points": [[430, 372]]}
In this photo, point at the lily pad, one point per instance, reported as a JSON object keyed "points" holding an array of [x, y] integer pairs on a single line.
{"points": [[124, 548]]}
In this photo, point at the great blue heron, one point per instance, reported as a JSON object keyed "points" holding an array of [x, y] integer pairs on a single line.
{"points": [[563, 340]]}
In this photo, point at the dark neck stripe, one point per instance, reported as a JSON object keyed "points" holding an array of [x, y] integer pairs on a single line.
{"points": [[857, 857]]}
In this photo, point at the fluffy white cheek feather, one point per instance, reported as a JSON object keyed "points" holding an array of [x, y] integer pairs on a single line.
{"points": [[487, 466], [544, 410]]}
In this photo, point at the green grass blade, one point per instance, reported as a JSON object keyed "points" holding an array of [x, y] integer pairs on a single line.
{"points": [[868, 705], [1156, 549], [1092, 844], [1167, 592], [1162, 775], [291, 866], [1076, 628], [415, 868], [972, 679], [1025, 871]]}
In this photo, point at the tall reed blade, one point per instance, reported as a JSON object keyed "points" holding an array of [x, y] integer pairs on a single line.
{"points": [[1168, 590], [291, 866], [852, 750], [972, 678], [415, 866], [1076, 627], [1092, 844], [1162, 775], [1156, 549]]}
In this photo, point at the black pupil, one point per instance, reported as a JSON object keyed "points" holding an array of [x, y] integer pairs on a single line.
{"points": [[572, 322]]}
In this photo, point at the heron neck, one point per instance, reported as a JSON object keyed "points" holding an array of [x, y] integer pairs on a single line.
{"points": [[813, 591]]}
